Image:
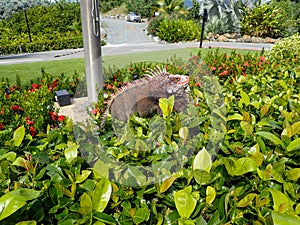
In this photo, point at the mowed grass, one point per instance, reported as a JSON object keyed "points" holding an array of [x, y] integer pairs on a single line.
{"points": [[31, 71]]}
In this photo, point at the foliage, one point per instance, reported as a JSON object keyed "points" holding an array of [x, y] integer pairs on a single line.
{"points": [[177, 30], [222, 25], [8, 7], [154, 24], [108, 5], [231, 158], [143, 7], [286, 49], [169, 7], [268, 20], [55, 26]]}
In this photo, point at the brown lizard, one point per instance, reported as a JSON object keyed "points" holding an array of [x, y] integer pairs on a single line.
{"points": [[142, 96]]}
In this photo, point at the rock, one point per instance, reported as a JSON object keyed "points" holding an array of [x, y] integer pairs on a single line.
{"points": [[211, 36], [246, 38], [269, 40], [228, 36], [255, 40], [222, 38]]}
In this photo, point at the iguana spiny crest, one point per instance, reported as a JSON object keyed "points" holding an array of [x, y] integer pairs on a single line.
{"points": [[142, 96]]}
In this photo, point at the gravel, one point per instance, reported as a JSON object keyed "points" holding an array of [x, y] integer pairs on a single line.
{"points": [[120, 31]]}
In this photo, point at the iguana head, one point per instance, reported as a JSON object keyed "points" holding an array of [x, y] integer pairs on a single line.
{"points": [[168, 83]]}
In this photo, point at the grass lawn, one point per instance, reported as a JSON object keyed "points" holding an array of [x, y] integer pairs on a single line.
{"points": [[28, 71]]}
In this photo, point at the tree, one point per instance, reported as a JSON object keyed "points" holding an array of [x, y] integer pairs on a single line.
{"points": [[143, 7], [169, 7], [9, 7]]}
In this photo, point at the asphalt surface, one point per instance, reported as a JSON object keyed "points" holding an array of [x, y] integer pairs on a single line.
{"points": [[123, 38]]}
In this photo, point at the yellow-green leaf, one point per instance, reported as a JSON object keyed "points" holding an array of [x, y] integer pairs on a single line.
{"points": [[247, 200], [202, 161], [167, 183], [210, 195]]}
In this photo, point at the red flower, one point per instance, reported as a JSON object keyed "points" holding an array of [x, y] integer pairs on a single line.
{"points": [[15, 108], [35, 86], [95, 111], [197, 84], [61, 118], [262, 58], [7, 96], [2, 111], [28, 121], [53, 115], [32, 131], [225, 72], [1, 126], [130, 69], [246, 64], [213, 68]]}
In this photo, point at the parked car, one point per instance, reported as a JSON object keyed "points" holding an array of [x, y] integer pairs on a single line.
{"points": [[134, 17]]}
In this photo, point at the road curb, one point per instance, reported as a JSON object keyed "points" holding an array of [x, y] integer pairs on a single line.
{"points": [[68, 53]]}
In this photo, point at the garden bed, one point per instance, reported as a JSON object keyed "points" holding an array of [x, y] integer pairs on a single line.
{"points": [[231, 158]]}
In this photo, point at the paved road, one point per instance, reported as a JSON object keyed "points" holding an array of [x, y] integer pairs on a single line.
{"points": [[123, 37]]}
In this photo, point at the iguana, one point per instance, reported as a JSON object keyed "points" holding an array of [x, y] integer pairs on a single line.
{"points": [[142, 96]]}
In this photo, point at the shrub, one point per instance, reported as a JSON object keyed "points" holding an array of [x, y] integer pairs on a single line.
{"points": [[285, 49], [153, 26], [267, 20], [178, 30], [253, 178]]}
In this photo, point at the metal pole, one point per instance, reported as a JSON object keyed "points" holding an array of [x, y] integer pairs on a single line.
{"points": [[205, 17], [27, 24], [92, 47]]}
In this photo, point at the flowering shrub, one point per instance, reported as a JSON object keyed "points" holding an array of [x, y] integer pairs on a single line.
{"points": [[47, 177]]}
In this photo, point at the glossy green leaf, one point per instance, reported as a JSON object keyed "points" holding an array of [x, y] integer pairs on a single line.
{"points": [[201, 176], [141, 215], [235, 117], [101, 195], [31, 222], [101, 170], [166, 184], [284, 219], [10, 156], [82, 177], [243, 165], [210, 195], [185, 202], [247, 127], [293, 174], [14, 200], [202, 161], [105, 218], [182, 221], [281, 202], [271, 137], [19, 135], [244, 99], [71, 152], [166, 105], [86, 206], [10, 203], [294, 145], [183, 134], [247, 200]]}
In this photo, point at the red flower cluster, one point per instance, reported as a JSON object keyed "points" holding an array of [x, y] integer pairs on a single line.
{"points": [[15, 108], [1, 126], [55, 117]]}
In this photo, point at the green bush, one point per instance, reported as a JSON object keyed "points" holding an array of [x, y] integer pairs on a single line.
{"points": [[73, 174], [285, 49], [154, 25], [176, 30], [268, 20], [52, 27]]}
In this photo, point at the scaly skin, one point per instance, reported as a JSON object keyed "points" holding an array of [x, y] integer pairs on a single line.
{"points": [[142, 96]]}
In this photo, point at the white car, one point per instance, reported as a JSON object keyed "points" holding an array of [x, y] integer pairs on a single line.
{"points": [[134, 17]]}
